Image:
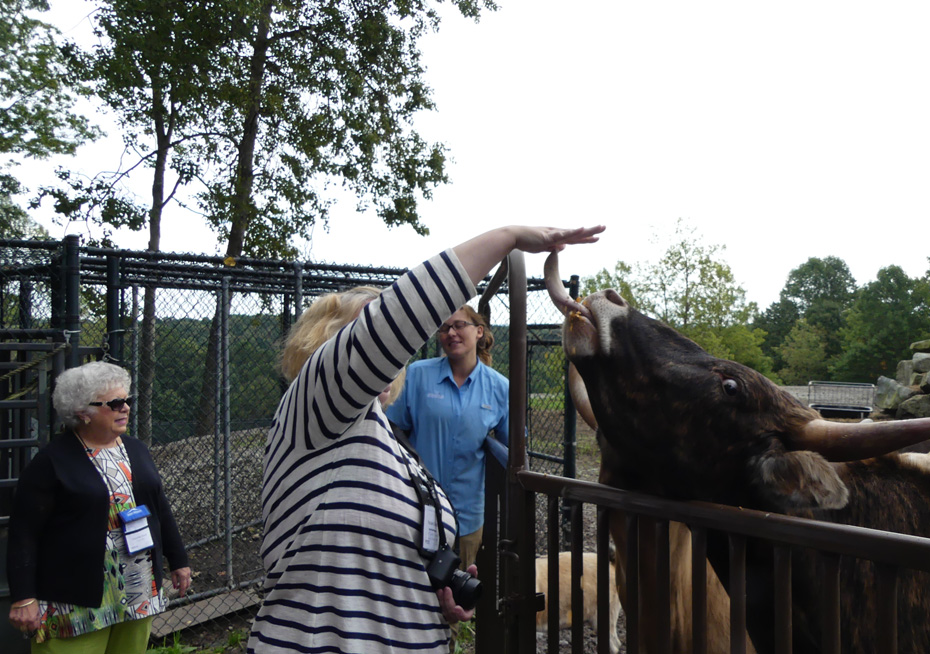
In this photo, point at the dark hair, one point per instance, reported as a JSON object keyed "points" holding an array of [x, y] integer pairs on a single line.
{"points": [[486, 341]]}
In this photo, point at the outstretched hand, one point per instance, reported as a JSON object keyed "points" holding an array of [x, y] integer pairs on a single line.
{"points": [[480, 254], [553, 239]]}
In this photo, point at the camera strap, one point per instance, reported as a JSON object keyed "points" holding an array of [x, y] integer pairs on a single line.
{"points": [[433, 534]]}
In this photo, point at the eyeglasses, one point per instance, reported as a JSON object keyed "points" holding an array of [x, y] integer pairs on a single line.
{"points": [[458, 326], [115, 404]]}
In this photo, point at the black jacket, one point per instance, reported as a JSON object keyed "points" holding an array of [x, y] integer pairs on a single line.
{"points": [[58, 524]]}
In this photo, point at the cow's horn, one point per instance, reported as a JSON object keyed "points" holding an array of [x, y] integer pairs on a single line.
{"points": [[851, 441], [579, 394], [556, 289]]}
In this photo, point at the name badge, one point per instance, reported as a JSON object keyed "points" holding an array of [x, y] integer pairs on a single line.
{"points": [[430, 530], [136, 529]]}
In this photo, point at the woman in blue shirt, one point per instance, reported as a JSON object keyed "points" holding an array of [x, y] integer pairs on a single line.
{"points": [[449, 406]]}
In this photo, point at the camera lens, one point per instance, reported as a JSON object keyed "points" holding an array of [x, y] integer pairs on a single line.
{"points": [[465, 589]]}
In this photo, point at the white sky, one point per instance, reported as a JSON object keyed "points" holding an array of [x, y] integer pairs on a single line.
{"points": [[782, 131]]}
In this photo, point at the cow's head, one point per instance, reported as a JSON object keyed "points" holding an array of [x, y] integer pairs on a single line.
{"points": [[682, 423]]}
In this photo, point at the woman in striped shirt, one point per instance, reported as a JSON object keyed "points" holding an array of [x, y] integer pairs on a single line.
{"points": [[342, 521]]}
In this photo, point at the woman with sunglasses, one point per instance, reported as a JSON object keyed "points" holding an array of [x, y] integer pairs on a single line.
{"points": [[90, 526]]}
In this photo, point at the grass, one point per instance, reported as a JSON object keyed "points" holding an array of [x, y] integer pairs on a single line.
{"points": [[176, 647], [546, 402], [235, 642], [465, 641]]}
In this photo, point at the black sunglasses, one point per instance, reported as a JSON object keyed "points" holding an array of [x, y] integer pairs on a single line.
{"points": [[115, 404]]}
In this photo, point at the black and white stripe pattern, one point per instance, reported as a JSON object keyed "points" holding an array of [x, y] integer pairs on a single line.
{"points": [[342, 520]]}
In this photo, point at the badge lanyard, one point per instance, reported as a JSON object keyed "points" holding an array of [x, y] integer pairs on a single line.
{"points": [[434, 535], [103, 473], [136, 532]]}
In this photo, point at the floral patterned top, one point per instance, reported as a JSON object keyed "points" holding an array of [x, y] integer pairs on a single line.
{"points": [[129, 591]]}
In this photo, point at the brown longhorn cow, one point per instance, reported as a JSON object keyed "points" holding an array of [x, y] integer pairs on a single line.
{"points": [[680, 567], [676, 422]]}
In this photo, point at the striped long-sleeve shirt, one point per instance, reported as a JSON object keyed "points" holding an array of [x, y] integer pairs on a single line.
{"points": [[342, 521]]}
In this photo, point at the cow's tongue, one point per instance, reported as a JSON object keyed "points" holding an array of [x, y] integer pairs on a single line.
{"points": [[557, 291]]}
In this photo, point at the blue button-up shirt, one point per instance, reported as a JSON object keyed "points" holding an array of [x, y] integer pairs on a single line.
{"points": [[448, 426]]}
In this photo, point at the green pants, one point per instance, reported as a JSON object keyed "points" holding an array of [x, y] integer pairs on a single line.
{"points": [[130, 637]]}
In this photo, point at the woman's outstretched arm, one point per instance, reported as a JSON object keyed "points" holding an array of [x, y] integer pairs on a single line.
{"points": [[481, 253]]}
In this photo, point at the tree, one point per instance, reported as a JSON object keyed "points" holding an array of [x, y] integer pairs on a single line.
{"points": [[819, 291], [804, 353], [14, 221], [620, 280], [37, 97], [817, 280], [777, 322], [692, 289], [36, 92], [886, 317], [822, 290], [154, 67], [268, 104], [326, 97]]}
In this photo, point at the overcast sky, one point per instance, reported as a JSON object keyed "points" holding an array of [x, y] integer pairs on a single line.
{"points": [[781, 131]]}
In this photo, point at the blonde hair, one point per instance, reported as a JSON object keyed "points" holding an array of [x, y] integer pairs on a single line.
{"points": [[485, 343], [319, 323]]}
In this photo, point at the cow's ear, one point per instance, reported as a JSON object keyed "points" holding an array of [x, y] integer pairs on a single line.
{"points": [[799, 480]]}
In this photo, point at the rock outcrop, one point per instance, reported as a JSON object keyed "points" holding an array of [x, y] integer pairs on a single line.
{"points": [[908, 394]]}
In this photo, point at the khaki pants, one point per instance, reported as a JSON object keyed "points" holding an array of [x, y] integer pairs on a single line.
{"points": [[468, 550]]}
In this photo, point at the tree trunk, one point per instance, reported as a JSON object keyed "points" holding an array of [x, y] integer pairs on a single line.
{"points": [[241, 208], [147, 341]]}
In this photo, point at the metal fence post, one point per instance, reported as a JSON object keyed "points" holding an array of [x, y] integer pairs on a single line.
{"points": [[518, 577], [114, 342], [134, 347], [25, 304], [223, 410], [218, 475], [71, 285], [570, 431]]}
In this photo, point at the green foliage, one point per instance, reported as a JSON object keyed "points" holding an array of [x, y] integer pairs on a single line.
{"points": [[465, 640], [692, 289], [776, 322], [621, 280], [36, 92], [236, 639], [325, 96], [267, 105], [176, 647], [804, 353], [14, 221], [885, 318], [819, 291], [95, 201], [818, 281]]}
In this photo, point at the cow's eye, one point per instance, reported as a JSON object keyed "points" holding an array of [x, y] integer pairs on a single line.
{"points": [[730, 386]]}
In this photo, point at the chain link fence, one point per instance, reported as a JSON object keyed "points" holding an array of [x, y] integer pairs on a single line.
{"points": [[200, 337]]}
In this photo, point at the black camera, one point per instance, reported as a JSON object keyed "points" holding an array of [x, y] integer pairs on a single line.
{"points": [[444, 571]]}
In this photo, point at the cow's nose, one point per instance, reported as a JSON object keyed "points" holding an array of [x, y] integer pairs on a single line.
{"points": [[615, 297]]}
